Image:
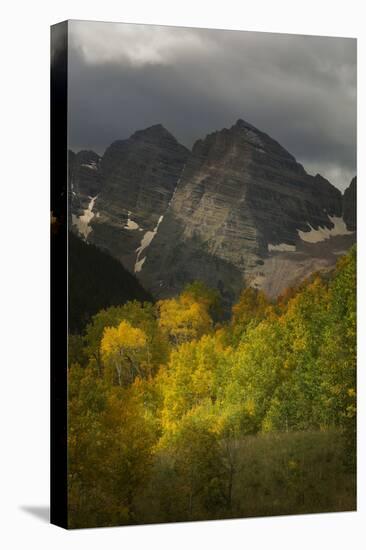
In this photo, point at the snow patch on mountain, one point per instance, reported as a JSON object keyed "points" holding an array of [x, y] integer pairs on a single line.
{"points": [[323, 233], [282, 247], [131, 225], [92, 165], [145, 242], [139, 264], [83, 222]]}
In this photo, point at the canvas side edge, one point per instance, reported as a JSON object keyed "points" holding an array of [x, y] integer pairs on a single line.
{"points": [[59, 277]]}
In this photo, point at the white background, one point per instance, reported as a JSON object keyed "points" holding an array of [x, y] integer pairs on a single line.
{"points": [[24, 273]]}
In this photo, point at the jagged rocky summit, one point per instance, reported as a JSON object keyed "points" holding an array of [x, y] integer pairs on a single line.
{"points": [[136, 180], [236, 210]]}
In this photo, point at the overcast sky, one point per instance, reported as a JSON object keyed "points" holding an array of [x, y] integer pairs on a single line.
{"points": [[301, 90]]}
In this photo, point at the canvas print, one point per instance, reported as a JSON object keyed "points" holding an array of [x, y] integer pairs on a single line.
{"points": [[209, 184]]}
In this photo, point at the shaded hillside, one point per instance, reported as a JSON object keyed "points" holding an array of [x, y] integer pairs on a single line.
{"points": [[349, 205], [96, 281]]}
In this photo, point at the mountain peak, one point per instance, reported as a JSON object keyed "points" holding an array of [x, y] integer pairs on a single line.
{"points": [[156, 131], [234, 210], [263, 141], [241, 123]]}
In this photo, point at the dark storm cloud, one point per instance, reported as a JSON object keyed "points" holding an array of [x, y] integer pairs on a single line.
{"points": [[300, 90]]}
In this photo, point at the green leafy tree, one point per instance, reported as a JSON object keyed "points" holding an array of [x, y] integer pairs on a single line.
{"points": [[198, 463], [250, 310]]}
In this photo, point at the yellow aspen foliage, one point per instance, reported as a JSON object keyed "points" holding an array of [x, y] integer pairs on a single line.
{"points": [[166, 408], [124, 353], [252, 304], [183, 319]]}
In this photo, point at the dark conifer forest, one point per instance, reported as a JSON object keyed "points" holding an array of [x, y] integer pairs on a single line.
{"points": [[97, 280]]}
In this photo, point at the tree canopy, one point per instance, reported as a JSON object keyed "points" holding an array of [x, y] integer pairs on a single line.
{"points": [[162, 398]]}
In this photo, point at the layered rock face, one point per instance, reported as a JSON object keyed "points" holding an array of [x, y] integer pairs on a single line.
{"points": [[84, 173], [237, 210], [137, 178], [84, 187], [243, 209]]}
